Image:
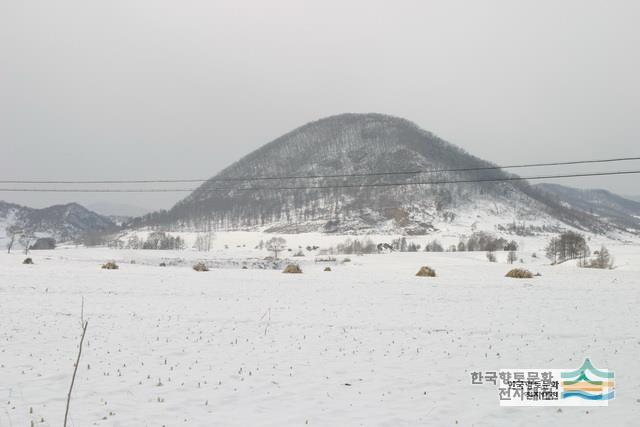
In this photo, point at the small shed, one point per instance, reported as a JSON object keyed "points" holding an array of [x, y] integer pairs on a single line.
{"points": [[44, 243]]}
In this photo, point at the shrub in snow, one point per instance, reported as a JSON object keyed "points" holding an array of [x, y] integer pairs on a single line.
{"points": [[27, 261], [201, 266], [111, 265], [426, 272], [327, 269], [292, 268], [519, 273], [162, 264]]}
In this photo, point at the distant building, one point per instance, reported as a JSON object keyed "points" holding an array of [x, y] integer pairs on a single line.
{"points": [[44, 243]]}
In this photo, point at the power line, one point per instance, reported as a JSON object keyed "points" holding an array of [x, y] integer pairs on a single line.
{"points": [[317, 187], [345, 175]]}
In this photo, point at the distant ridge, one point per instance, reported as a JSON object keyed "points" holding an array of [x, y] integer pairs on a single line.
{"points": [[618, 211], [64, 222]]}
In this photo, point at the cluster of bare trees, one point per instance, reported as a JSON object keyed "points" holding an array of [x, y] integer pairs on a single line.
{"points": [[156, 240], [571, 245], [485, 241], [25, 237], [204, 241], [602, 259], [402, 245], [567, 246], [435, 246]]}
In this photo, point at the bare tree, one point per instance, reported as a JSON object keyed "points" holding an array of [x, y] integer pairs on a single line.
{"points": [[26, 240], [83, 325], [276, 245], [75, 370], [12, 232], [512, 256]]}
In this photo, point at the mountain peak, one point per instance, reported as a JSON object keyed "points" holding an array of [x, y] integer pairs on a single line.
{"points": [[371, 117], [368, 152]]}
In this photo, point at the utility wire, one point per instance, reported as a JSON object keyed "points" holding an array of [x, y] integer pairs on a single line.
{"points": [[345, 175], [314, 187]]}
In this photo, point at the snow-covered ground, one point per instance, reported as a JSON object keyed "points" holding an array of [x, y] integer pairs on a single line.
{"points": [[365, 344]]}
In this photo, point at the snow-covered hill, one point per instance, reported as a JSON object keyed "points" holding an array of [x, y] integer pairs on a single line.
{"points": [[63, 222], [615, 210], [365, 144]]}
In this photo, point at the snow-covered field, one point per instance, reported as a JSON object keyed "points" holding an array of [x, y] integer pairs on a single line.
{"points": [[365, 344]]}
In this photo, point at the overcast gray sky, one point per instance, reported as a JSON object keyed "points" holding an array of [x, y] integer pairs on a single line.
{"points": [[180, 89]]}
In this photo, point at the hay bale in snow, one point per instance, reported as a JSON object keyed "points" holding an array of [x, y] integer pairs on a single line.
{"points": [[426, 272], [201, 266], [111, 265], [519, 273], [292, 268]]}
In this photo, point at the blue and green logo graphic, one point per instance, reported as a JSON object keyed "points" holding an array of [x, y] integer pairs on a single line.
{"points": [[588, 383]]}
